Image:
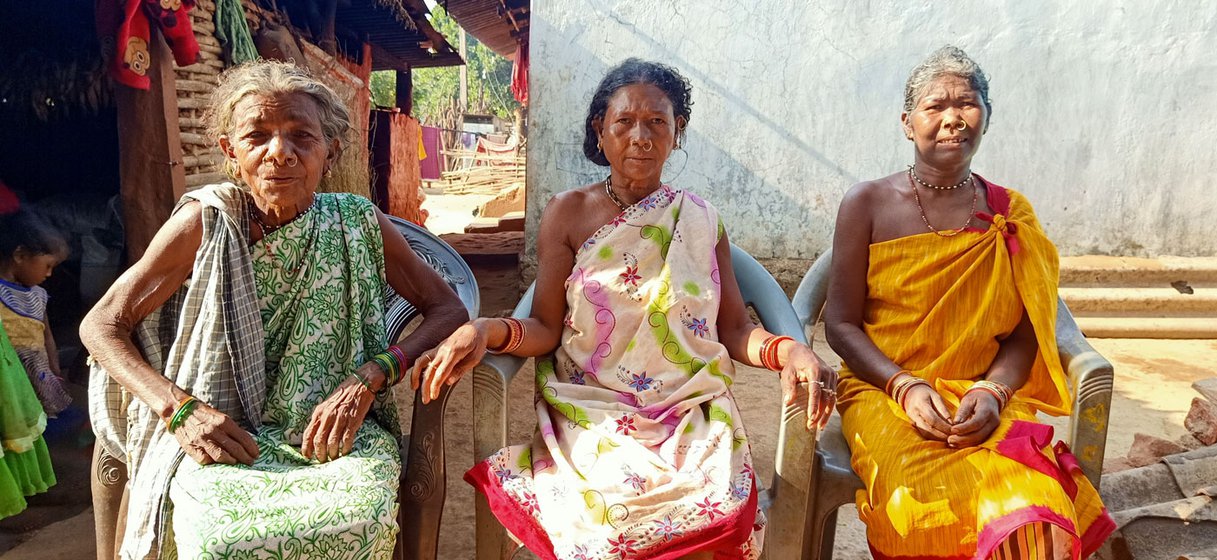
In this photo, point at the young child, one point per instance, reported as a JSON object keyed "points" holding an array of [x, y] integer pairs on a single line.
{"points": [[29, 250]]}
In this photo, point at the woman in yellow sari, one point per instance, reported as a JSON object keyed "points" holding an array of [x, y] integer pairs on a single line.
{"points": [[943, 306]]}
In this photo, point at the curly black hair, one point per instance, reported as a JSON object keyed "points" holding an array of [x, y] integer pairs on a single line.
{"points": [[635, 71]]}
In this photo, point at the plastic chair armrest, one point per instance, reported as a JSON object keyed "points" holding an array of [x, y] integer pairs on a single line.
{"points": [[1091, 378]]}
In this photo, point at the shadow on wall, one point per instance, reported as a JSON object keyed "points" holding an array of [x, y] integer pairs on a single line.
{"points": [[744, 195]]}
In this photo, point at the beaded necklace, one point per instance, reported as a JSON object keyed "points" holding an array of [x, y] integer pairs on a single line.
{"points": [[920, 181], [944, 233]]}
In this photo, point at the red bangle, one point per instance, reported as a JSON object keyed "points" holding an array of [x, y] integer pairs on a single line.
{"points": [[769, 352], [515, 336]]}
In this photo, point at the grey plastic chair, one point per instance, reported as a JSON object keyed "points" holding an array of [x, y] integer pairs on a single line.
{"points": [[786, 502], [835, 484], [422, 485]]}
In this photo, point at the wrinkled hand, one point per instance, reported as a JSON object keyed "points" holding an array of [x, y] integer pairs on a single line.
{"points": [[446, 363], [804, 366], [335, 422], [925, 407], [978, 415], [210, 436]]}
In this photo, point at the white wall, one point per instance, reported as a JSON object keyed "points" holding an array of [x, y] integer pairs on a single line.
{"points": [[1105, 113]]}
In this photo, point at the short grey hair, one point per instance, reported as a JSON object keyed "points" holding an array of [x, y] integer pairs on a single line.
{"points": [[946, 61], [269, 77]]}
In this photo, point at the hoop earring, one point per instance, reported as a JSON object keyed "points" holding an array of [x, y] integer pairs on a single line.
{"points": [[680, 171]]}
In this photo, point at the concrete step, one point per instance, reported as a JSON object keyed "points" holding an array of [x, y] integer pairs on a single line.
{"points": [[1098, 270], [1149, 327], [1141, 300]]}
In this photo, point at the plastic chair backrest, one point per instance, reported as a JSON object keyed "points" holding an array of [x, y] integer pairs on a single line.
{"points": [[446, 261]]}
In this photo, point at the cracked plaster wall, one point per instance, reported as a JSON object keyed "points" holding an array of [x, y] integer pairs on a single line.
{"points": [[1105, 114]]}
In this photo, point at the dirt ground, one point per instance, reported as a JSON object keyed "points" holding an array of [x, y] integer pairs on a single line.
{"points": [[1152, 395]]}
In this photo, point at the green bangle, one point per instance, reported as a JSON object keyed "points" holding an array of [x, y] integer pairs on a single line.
{"points": [[182, 412], [362, 381], [389, 364]]}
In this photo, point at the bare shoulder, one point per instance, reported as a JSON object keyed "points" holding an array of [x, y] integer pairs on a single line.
{"points": [[573, 199], [864, 197], [573, 215]]}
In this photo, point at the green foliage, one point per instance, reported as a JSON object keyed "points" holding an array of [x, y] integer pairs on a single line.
{"points": [[384, 88], [489, 74]]}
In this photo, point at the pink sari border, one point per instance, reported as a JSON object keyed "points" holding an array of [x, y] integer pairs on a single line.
{"points": [[1025, 441], [724, 537], [1000, 529], [518, 522]]}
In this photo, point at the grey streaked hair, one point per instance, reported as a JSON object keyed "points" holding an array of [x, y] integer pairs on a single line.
{"points": [[946, 61], [268, 77]]}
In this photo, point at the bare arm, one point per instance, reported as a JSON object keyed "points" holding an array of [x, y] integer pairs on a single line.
{"points": [[207, 435], [844, 310], [415, 281], [979, 412], [448, 362], [744, 339], [1012, 365], [106, 330], [52, 351], [847, 291]]}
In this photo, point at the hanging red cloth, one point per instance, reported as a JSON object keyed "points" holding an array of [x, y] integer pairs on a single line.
{"points": [[519, 75], [126, 25]]}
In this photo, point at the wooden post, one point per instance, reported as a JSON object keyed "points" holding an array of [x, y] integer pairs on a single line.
{"points": [[150, 151], [405, 91], [464, 74]]}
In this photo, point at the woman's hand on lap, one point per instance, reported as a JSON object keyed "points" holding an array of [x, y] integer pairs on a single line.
{"points": [[210, 436], [446, 363], [978, 415], [335, 422], [925, 407], [805, 366]]}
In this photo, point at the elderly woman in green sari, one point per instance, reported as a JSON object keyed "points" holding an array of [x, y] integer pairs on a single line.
{"points": [[273, 295]]}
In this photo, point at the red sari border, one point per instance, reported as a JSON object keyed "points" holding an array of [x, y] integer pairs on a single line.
{"points": [[723, 537]]}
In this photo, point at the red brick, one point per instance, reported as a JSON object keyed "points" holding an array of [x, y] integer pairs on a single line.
{"points": [[1201, 420], [1147, 449]]}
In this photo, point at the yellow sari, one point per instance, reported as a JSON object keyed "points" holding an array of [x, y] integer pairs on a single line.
{"points": [[940, 307]]}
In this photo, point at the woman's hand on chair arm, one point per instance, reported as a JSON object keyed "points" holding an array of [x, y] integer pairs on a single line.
{"points": [[459, 353]]}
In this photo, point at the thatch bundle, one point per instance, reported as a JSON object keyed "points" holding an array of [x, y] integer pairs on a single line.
{"points": [[38, 85]]}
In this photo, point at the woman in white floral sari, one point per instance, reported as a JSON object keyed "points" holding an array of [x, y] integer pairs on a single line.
{"points": [[280, 348], [640, 451]]}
